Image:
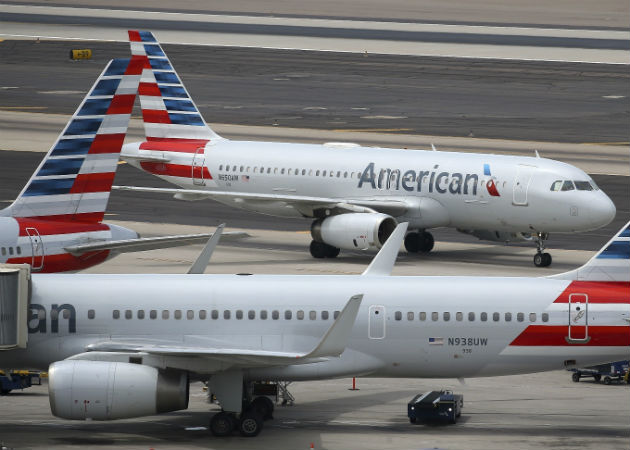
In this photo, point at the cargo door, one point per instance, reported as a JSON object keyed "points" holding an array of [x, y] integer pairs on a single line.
{"points": [[522, 181], [199, 158], [376, 322], [578, 319], [14, 289], [37, 249]]}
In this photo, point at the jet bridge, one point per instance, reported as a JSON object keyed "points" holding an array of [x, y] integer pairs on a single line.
{"points": [[14, 296]]}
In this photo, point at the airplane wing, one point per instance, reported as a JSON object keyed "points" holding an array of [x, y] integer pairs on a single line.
{"points": [[151, 243], [304, 204], [332, 344]]}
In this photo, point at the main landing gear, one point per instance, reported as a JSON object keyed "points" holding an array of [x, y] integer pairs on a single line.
{"points": [[419, 242], [541, 259], [249, 423], [323, 250]]}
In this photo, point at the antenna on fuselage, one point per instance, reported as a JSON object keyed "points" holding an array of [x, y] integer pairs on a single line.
{"points": [[433, 147], [537, 155]]}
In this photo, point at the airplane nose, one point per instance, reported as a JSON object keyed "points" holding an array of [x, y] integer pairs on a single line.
{"points": [[602, 211]]}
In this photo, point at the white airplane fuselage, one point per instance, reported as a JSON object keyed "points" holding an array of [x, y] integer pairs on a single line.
{"points": [[441, 188], [406, 326]]}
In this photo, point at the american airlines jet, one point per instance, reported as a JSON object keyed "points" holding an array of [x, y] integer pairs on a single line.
{"points": [[356, 195], [128, 349], [56, 222]]}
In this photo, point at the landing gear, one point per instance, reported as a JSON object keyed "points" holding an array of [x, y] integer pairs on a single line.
{"points": [[419, 242], [542, 259], [323, 250], [249, 424], [222, 424], [264, 406]]}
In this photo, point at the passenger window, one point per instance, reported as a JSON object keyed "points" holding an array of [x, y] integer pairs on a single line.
{"points": [[239, 314], [532, 317], [234, 169], [324, 315], [251, 314], [221, 167], [202, 314], [338, 174], [140, 314], [336, 314], [423, 316], [496, 316], [128, 314], [10, 250], [434, 316], [545, 317], [18, 249], [300, 315], [410, 315], [153, 314], [446, 316], [256, 169], [4, 251], [288, 314], [471, 316], [303, 172], [583, 186], [269, 169], [214, 314], [275, 314], [190, 314], [226, 314], [567, 186], [312, 315], [90, 313], [275, 170], [177, 314], [345, 174], [508, 317], [165, 314], [324, 173], [398, 315], [520, 317], [310, 173], [247, 170], [282, 171], [459, 316], [263, 314], [317, 173], [484, 317], [115, 314]]}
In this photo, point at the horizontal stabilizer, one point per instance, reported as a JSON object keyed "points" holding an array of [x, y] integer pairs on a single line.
{"points": [[151, 243], [384, 261]]}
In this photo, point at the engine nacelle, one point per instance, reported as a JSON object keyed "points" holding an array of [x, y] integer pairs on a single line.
{"points": [[354, 231], [102, 390], [497, 236]]}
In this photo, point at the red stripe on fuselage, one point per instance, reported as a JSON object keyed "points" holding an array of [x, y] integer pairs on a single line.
{"points": [[175, 145], [598, 291], [107, 143], [93, 182], [50, 227], [65, 262], [174, 170], [554, 335]]}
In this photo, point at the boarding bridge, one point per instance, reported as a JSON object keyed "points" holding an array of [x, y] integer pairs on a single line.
{"points": [[14, 293]]}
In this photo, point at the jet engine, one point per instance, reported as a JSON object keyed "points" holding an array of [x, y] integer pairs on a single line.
{"points": [[354, 231], [102, 390], [497, 236]]}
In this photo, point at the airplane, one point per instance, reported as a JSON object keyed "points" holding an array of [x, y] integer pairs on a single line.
{"points": [[56, 222], [131, 347], [356, 195]]}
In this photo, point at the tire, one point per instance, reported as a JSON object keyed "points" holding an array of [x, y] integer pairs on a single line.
{"points": [[264, 406], [538, 260], [426, 242], [250, 424], [412, 420], [576, 376], [607, 380], [5, 391], [546, 260], [221, 424], [332, 252], [412, 242], [317, 249], [597, 377]]}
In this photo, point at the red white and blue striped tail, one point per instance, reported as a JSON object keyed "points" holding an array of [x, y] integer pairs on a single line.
{"points": [[74, 180], [168, 111], [611, 263]]}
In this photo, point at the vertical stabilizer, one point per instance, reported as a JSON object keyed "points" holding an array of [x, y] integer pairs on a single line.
{"points": [[74, 180], [168, 111], [611, 263]]}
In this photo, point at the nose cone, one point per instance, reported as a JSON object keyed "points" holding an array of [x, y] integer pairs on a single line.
{"points": [[601, 211]]}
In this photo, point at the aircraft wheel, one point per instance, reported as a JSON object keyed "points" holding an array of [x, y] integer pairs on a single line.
{"points": [[221, 424], [332, 252], [412, 242], [317, 249], [426, 242], [542, 259], [250, 424], [264, 406], [576, 376]]}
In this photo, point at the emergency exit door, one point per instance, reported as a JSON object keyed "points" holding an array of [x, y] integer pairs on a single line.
{"points": [[376, 322], [578, 319]]}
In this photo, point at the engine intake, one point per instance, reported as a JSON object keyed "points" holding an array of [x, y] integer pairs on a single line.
{"points": [[354, 231], [102, 390]]}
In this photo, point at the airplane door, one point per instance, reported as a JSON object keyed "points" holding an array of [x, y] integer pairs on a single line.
{"points": [[376, 322], [521, 184], [37, 249], [198, 161], [578, 319]]}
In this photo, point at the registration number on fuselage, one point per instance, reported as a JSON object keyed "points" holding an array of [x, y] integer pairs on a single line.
{"points": [[467, 341]]}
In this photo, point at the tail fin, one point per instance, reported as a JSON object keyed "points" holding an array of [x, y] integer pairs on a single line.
{"points": [[611, 263], [74, 180], [168, 111]]}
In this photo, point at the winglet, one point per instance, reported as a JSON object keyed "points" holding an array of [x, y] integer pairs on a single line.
{"points": [[336, 338], [200, 264], [383, 262]]}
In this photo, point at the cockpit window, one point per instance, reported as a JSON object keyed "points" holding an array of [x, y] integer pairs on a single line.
{"points": [[567, 186], [583, 186], [557, 185], [594, 184]]}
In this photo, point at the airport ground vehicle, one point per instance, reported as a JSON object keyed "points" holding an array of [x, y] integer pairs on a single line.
{"points": [[18, 379], [614, 371], [435, 406]]}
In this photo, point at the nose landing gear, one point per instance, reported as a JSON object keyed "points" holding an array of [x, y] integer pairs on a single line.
{"points": [[541, 258]]}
